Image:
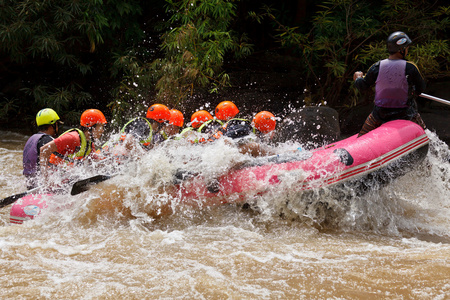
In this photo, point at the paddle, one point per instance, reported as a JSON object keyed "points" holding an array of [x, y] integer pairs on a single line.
{"points": [[435, 99], [85, 184], [11, 199]]}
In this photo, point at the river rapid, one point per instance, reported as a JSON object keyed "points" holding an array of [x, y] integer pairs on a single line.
{"points": [[126, 238]]}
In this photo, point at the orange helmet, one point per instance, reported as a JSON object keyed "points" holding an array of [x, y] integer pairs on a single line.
{"points": [[226, 110], [200, 117], [91, 117], [264, 121], [176, 118], [158, 112]]}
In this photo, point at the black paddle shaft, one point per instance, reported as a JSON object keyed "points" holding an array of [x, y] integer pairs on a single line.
{"points": [[11, 199], [84, 185]]}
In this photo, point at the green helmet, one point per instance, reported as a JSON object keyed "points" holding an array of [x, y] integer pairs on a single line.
{"points": [[46, 116]]}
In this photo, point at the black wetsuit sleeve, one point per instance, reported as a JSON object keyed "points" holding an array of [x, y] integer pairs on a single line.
{"points": [[369, 79], [42, 141], [415, 79]]}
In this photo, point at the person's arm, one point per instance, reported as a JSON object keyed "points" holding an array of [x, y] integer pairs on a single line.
{"points": [[255, 149], [364, 82], [45, 139], [415, 78], [46, 152]]}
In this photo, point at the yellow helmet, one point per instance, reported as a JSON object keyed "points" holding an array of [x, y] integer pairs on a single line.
{"points": [[46, 116]]}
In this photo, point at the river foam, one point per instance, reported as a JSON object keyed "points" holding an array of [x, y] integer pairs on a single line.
{"points": [[128, 237]]}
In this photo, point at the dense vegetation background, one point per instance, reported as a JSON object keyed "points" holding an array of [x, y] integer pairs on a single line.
{"points": [[123, 55]]}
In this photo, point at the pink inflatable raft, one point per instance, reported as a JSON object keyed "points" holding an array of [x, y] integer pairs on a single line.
{"points": [[27, 208], [392, 149], [388, 151]]}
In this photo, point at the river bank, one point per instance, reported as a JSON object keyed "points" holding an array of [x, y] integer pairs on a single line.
{"points": [[268, 81]]}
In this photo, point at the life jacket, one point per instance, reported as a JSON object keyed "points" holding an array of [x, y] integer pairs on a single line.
{"points": [[188, 133], [184, 133], [108, 146], [31, 153], [237, 128], [83, 151], [210, 126], [172, 137], [391, 86], [213, 127], [144, 142], [234, 128], [159, 137], [162, 136]]}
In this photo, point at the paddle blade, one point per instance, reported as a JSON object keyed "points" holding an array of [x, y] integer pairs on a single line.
{"points": [[85, 184], [11, 199]]}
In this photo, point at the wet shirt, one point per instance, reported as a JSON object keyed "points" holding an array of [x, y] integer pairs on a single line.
{"points": [[395, 81], [44, 140], [158, 138], [31, 152], [391, 87], [68, 143]]}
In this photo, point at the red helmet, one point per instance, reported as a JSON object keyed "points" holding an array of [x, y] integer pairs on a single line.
{"points": [[91, 117], [200, 117], [158, 112], [176, 118], [264, 121], [226, 110]]}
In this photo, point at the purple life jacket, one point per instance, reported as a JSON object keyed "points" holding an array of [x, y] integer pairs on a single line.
{"points": [[30, 154], [391, 87]]}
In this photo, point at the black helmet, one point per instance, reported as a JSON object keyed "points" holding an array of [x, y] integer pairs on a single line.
{"points": [[397, 42]]}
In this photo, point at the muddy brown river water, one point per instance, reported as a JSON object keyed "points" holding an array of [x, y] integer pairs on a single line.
{"points": [[111, 242]]}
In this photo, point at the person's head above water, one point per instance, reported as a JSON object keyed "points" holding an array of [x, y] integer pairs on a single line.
{"points": [[226, 110]]}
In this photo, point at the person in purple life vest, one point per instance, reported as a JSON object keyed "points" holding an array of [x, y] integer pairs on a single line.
{"points": [[48, 123], [396, 81]]}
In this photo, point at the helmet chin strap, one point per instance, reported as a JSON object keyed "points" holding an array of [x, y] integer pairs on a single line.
{"points": [[403, 53], [91, 136], [160, 127], [55, 130]]}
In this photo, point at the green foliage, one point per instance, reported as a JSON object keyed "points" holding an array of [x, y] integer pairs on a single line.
{"points": [[9, 106], [70, 55], [349, 35], [194, 43], [59, 99], [195, 48], [133, 90], [49, 49], [50, 29]]}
